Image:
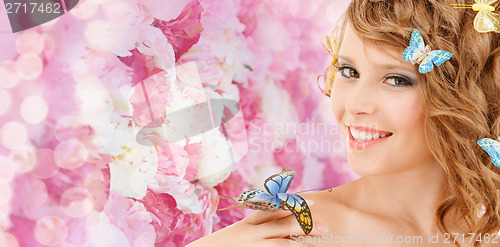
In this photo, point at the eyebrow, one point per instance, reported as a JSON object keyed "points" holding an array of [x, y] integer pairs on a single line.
{"points": [[347, 59], [386, 66]]}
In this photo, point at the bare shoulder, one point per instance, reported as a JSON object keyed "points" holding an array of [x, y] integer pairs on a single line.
{"points": [[339, 197], [334, 197], [339, 210], [333, 207]]}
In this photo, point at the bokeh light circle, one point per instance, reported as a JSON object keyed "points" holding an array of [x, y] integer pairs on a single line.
{"points": [[22, 159], [45, 166], [102, 35], [29, 88], [121, 14], [302, 9], [34, 109], [71, 127], [29, 66], [94, 183], [8, 74], [7, 171], [39, 193], [4, 212], [8, 240], [13, 134], [6, 193], [5, 100], [70, 154], [77, 202], [51, 230], [84, 10], [335, 10], [29, 42], [80, 70]]}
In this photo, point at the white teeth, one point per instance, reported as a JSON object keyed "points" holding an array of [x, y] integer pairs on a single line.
{"points": [[355, 134], [361, 136]]}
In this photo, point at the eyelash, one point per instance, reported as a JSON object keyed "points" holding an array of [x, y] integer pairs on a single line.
{"points": [[406, 81]]}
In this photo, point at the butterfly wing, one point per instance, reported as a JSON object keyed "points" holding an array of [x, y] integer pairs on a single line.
{"points": [[425, 65], [487, 21], [492, 147], [437, 57], [279, 183], [298, 206], [259, 200], [416, 46]]}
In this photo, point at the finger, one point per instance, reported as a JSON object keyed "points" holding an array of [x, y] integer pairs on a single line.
{"points": [[260, 217], [305, 240], [282, 242], [287, 227]]}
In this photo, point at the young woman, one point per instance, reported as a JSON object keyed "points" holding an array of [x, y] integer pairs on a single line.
{"points": [[411, 135]]}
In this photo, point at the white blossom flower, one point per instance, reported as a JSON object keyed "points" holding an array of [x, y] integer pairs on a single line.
{"points": [[132, 170]]}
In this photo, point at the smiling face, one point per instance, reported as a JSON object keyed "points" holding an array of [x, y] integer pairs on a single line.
{"points": [[377, 103]]}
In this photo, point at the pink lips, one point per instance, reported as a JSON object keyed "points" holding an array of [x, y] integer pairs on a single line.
{"points": [[364, 145]]}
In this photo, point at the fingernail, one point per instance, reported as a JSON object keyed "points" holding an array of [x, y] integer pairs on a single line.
{"points": [[322, 228], [309, 202]]}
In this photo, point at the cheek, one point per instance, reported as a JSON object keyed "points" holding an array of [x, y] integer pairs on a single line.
{"points": [[407, 114], [407, 119], [337, 102]]}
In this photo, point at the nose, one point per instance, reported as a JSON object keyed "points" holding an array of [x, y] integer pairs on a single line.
{"points": [[361, 98]]}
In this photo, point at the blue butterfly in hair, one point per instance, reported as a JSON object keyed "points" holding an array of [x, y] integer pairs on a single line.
{"points": [[275, 197], [492, 147], [419, 53]]}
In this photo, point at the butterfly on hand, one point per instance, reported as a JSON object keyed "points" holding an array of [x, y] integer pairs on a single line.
{"points": [[275, 197], [492, 147], [486, 20], [418, 52]]}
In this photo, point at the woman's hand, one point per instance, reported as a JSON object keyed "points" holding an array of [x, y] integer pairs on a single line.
{"points": [[262, 228]]}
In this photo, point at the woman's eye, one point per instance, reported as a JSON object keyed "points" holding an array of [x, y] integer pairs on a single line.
{"points": [[348, 72], [398, 81]]}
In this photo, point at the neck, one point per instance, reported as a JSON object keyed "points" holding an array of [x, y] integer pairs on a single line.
{"points": [[409, 196]]}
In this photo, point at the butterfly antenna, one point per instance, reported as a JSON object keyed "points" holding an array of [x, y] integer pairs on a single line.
{"points": [[221, 209], [227, 197], [319, 189]]}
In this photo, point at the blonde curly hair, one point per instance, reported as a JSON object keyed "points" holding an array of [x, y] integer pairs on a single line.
{"points": [[461, 98]]}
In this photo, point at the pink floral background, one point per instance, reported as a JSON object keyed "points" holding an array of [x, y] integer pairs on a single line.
{"points": [[76, 94]]}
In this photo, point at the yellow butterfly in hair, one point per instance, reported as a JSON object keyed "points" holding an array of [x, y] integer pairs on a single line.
{"points": [[486, 20]]}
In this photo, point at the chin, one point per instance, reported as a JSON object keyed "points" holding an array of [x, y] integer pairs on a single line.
{"points": [[367, 168], [365, 172]]}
